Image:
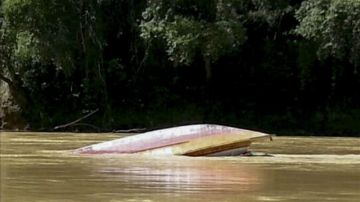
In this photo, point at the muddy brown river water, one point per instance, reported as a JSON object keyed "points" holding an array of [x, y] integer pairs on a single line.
{"points": [[40, 167]]}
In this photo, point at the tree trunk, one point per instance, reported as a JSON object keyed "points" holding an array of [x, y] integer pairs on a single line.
{"points": [[12, 103], [208, 69]]}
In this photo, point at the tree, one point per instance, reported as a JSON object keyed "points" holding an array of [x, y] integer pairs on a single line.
{"points": [[187, 28], [55, 36], [334, 25]]}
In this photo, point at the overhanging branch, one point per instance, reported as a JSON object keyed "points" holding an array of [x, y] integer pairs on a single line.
{"points": [[76, 121]]}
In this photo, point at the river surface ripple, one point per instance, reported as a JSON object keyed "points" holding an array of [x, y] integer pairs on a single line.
{"points": [[41, 167]]}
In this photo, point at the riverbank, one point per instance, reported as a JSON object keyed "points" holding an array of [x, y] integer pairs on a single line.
{"points": [[328, 123]]}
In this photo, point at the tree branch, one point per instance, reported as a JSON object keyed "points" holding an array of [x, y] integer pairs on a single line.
{"points": [[7, 80], [133, 130], [76, 121]]}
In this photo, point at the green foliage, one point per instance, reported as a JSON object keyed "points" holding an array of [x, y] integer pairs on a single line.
{"points": [[263, 12], [53, 51], [208, 28], [26, 49], [62, 32], [334, 25], [60, 59]]}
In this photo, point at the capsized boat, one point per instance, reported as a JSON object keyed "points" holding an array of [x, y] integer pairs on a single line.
{"points": [[190, 140]]}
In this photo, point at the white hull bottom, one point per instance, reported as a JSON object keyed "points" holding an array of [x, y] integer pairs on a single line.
{"points": [[231, 152]]}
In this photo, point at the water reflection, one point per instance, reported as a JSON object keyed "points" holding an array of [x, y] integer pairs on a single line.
{"points": [[179, 174]]}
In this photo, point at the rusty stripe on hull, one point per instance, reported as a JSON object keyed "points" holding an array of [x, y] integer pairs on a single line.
{"points": [[205, 146]]}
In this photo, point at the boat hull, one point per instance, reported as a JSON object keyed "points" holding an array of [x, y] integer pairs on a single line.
{"points": [[205, 146], [191, 140]]}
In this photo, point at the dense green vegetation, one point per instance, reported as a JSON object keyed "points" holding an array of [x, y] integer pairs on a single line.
{"points": [[280, 66]]}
